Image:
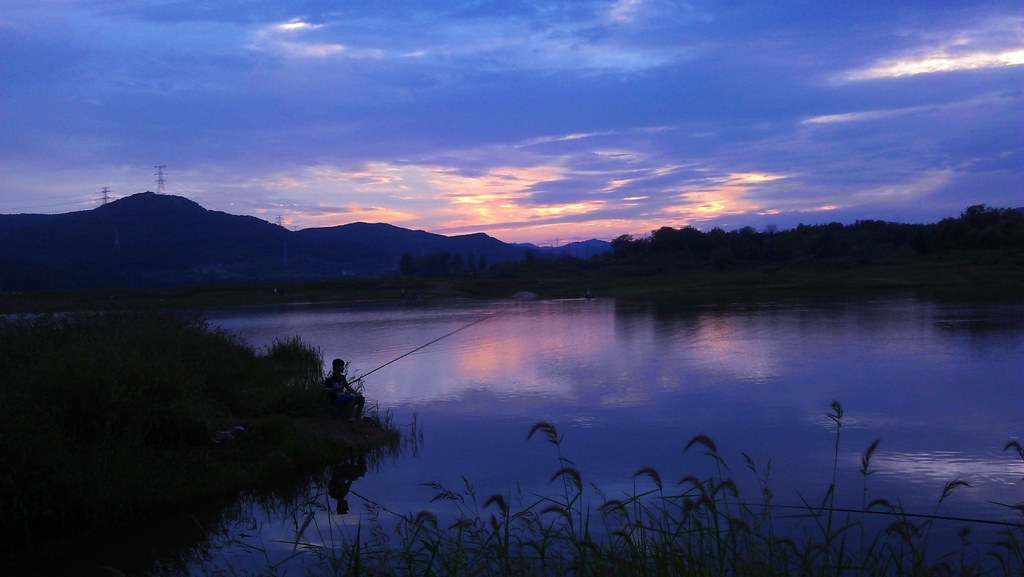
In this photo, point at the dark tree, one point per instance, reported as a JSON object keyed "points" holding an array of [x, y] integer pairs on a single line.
{"points": [[406, 266]]}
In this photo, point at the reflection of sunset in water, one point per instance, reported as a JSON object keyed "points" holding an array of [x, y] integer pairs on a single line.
{"points": [[523, 350], [599, 354], [490, 358], [632, 381]]}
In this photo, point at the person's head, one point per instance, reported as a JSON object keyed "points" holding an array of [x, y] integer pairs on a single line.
{"points": [[338, 365]]}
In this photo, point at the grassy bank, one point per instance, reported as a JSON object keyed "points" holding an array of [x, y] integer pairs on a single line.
{"points": [[949, 276], [107, 416]]}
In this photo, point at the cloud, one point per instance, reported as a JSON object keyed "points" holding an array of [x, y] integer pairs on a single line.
{"points": [[719, 196], [285, 38], [295, 25], [986, 43], [956, 107], [925, 183], [549, 118], [866, 115], [939, 61], [430, 39], [516, 201], [624, 10]]}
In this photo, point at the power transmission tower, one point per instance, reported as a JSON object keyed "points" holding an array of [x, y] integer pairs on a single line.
{"points": [[106, 194], [280, 220], [160, 178]]}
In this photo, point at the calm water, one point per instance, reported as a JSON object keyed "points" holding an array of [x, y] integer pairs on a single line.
{"points": [[628, 384]]}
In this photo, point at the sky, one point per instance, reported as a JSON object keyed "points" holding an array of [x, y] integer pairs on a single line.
{"points": [[540, 122]]}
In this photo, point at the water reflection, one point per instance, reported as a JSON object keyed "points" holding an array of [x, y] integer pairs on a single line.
{"points": [[628, 383], [943, 466], [342, 477], [167, 544], [294, 527]]}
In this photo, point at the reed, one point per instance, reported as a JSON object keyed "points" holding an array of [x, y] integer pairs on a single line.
{"points": [[105, 416], [693, 527]]}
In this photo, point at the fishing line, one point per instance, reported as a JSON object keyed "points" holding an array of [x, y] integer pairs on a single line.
{"points": [[801, 507], [894, 514], [479, 320], [378, 505]]}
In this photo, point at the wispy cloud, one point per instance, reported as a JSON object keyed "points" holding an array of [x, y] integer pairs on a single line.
{"points": [[539, 120], [939, 61], [295, 26], [991, 43], [866, 115], [720, 196], [956, 107], [287, 38]]}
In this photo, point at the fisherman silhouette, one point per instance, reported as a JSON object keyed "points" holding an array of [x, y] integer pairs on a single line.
{"points": [[342, 477], [343, 394]]}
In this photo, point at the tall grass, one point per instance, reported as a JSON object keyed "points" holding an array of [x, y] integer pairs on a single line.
{"points": [[693, 527], [106, 415]]}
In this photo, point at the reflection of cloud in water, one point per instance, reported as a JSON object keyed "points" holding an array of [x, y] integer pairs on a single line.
{"points": [[528, 351], [895, 364], [945, 466], [737, 348], [642, 378], [600, 355], [625, 399]]}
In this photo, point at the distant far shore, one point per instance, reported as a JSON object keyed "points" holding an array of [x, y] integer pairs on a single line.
{"points": [[968, 275]]}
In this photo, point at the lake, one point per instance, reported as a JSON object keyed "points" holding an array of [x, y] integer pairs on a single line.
{"points": [[629, 383]]}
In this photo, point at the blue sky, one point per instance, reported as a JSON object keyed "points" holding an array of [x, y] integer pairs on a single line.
{"points": [[530, 121]]}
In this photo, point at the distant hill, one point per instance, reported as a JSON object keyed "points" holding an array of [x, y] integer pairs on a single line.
{"points": [[151, 240], [584, 249], [395, 241], [10, 223]]}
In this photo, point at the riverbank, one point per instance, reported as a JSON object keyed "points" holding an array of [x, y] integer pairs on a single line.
{"points": [[966, 275], [109, 417]]}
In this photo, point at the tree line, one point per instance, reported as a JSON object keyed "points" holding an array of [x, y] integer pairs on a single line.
{"points": [[440, 263], [978, 228]]}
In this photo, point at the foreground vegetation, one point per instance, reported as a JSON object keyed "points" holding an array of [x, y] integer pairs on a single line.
{"points": [[696, 527], [107, 416]]}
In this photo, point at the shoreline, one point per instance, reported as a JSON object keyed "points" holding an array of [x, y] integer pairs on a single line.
{"points": [[961, 277], [128, 545], [111, 416], [322, 442]]}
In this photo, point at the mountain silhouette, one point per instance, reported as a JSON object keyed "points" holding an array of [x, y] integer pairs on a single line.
{"points": [[153, 240], [395, 241], [581, 249]]}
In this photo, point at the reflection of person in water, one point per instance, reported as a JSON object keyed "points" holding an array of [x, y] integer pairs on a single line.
{"points": [[341, 480]]}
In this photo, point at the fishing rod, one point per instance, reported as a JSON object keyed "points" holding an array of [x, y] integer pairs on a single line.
{"points": [[419, 348], [893, 514]]}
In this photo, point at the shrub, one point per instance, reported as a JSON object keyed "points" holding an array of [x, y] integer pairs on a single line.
{"points": [[105, 414]]}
